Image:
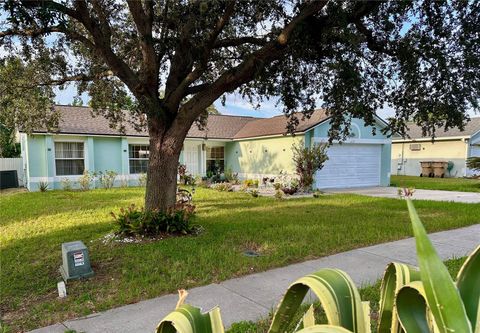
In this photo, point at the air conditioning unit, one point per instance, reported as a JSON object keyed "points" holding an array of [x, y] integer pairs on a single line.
{"points": [[415, 146]]}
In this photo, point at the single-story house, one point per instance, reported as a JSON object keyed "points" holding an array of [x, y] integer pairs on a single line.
{"points": [[252, 147], [450, 146]]}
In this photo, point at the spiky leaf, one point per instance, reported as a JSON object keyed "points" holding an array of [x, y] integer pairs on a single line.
{"points": [[468, 284], [395, 277], [441, 293], [189, 319], [337, 294]]}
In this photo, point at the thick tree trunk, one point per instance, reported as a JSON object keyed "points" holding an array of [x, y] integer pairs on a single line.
{"points": [[165, 147]]}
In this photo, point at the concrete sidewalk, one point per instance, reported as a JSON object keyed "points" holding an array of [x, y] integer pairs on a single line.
{"points": [[418, 194], [253, 296]]}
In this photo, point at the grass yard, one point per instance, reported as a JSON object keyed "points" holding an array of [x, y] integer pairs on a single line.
{"points": [[33, 226], [370, 294], [446, 184]]}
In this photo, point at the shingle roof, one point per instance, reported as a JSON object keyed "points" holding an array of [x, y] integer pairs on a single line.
{"points": [[277, 125], [472, 127], [79, 120]]}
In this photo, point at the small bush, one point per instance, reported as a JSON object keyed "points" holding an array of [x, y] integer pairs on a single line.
{"points": [[308, 160], [66, 184], [223, 187], [254, 193], [142, 180], [43, 186], [85, 180], [231, 176], [277, 186], [250, 182], [317, 194], [135, 221], [107, 178], [279, 194]]}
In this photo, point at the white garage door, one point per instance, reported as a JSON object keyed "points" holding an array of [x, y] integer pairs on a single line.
{"points": [[350, 165]]}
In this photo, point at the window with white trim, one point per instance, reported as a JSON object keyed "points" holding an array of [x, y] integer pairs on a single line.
{"points": [[69, 158], [138, 158], [215, 159]]}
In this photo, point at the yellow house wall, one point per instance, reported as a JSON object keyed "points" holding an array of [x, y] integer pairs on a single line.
{"points": [[255, 158], [455, 151]]}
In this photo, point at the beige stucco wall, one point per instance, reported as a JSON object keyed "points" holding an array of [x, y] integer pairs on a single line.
{"points": [[255, 158], [455, 151]]}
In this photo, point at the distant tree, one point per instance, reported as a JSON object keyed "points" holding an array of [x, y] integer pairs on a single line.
{"points": [[419, 57], [9, 148]]}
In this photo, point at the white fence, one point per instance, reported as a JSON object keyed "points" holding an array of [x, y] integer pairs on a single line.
{"points": [[13, 164]]}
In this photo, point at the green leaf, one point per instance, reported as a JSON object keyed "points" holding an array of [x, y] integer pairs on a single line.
{"points": [[395, 277], [337, 294], [468, 284], [189, 319], [442, 296], [324, 329], [412, 308]]}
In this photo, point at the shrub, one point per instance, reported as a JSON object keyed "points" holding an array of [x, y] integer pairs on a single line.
{"points": [[85, 180], [66, 184], [250, 182], [142, 180], [411, 299], [277, 186], [223, 187], [231, 177], [308, 161], [43, 186], [473, 163], [135, 221], [254, 193], [317, 194], [279, 194], [107, 178]]}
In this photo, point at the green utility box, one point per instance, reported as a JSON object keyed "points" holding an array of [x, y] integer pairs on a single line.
{"points": [[76, 262]]}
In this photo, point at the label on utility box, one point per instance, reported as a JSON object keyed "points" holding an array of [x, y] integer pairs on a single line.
{"points": [[78, 259]]}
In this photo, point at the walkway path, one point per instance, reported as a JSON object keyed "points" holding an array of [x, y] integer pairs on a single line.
{"points": [[253, 296], [435, 195]]}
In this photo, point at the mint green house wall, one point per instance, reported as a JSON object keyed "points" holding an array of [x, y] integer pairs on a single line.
{"points": [[254, 158], [108, 154], [100, 154]]}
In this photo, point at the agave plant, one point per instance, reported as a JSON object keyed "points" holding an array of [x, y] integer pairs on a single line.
{"points": [[412, 300]]}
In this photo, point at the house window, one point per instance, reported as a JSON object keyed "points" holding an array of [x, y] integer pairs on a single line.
{"points": [[138, 158], [215, 159], [69, 158]]}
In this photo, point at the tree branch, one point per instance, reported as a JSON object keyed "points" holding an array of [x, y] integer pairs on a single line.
{"points": [[248, 69], [227, 42]]}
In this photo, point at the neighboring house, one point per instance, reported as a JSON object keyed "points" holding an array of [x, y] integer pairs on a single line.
{"points": [[452, 146], [251, 147]]}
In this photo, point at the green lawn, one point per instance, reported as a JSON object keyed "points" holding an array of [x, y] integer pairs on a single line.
{"points": [[33, 226], [447, 184], [370, 294]]}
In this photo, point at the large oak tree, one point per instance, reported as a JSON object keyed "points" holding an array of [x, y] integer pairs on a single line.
{"points": [[420, 58]]}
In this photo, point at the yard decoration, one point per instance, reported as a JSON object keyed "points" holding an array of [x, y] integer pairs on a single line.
{"points": [[412, 300]]}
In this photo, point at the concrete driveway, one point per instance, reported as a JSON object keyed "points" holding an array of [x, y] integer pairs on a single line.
{"points": [[392, 192]]}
